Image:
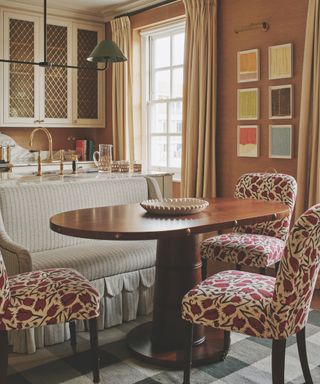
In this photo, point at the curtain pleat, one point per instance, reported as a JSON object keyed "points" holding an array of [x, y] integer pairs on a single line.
{"points": [[198, 173], [308, 173], [122, 114]]}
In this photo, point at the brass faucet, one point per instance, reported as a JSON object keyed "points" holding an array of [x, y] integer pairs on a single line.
{"points": [[45, 130]]}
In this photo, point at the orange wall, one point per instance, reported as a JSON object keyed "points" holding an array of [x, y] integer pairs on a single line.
{"points": [[287, 25]]}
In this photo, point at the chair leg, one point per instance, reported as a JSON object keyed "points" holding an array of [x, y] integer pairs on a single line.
{"points": [[3, 356], [226, 344], [73, 336], [188, 353], [94, 350], [301, 341], [204, 266], [238, 267], [278, 360], [262, 270]]}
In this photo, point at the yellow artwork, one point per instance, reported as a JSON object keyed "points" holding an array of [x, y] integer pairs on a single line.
{"points": [[248, 104], [248, 65], [280, 61]]}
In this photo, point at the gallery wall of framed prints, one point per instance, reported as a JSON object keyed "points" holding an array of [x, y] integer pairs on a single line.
{"points": [[280, 101]]}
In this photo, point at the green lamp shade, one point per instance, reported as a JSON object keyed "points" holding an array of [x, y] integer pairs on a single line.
{"points": [[106, 51]]}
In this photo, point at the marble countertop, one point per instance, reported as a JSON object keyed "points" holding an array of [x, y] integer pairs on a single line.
{"points": [[70, 177], [53, 163]]}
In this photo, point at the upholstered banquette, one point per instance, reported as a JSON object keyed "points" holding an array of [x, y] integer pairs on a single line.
{"points": [[122, 271]]}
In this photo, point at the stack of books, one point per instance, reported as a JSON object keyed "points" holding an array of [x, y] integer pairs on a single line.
{"points": [[85, 149]]}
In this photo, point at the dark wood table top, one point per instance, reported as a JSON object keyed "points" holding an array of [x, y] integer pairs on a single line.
{"points": [[132, 222]]}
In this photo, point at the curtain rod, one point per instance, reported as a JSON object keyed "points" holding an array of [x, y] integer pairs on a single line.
{"points": [[145, 9]]}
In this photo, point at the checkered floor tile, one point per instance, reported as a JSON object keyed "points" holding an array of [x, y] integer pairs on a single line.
{"points": [[249, 362]]}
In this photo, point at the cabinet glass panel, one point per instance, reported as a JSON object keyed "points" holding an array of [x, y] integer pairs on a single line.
{"points": [[56, 79], [21, 78], [87, 80]]}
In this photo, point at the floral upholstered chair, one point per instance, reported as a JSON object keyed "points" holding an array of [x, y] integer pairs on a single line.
{"points": [[261, 306], [258, 245], [51, 296]]}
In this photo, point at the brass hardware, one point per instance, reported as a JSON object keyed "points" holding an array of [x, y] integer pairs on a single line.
{"points": [[188, 231], [39, 173], [117, 236], [61, 161], [274, 216], [8, 154], [235, 223], [45, 130], [264, 26]]}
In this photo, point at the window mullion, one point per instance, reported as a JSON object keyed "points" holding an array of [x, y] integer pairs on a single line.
{"points": [[155, 113]]}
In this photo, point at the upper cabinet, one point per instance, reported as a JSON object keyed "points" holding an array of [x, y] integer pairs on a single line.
{"points": [[51, 97]]}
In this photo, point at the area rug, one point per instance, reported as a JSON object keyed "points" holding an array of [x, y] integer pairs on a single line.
{"points": [[249, 362]]}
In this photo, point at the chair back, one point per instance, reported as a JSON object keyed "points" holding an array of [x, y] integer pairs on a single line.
{"points": [[4, 287], [297, 275], [268, 186]]}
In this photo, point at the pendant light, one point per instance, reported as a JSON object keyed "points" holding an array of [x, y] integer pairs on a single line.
{"points": [[105, 52]]}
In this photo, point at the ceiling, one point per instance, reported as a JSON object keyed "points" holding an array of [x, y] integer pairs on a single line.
{"points": [[105, 9]]}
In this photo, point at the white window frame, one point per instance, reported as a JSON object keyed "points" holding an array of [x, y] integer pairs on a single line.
{"points": [[147, 102]]}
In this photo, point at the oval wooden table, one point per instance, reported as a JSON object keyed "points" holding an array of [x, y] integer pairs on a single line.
{"points": [[178, 265]]}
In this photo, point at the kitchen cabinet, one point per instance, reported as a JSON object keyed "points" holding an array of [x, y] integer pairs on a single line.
{"points": [[50, 97]]}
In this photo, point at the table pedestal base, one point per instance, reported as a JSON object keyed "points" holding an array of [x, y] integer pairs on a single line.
{"points": [[210, 351]]}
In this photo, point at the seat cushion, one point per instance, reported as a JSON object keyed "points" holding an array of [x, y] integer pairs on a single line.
{"points": [[246, 249], [46, 297], [95, 259], [233, 301]]}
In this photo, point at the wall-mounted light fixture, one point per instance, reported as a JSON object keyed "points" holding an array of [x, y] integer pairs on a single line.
{"points": [[105, 52], [263, 26]]}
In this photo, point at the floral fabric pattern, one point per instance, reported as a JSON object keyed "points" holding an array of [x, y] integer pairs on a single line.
{"points": [[50, 296], [259, 305], [4, 287], [268, 186], [270, 236], [232, 300], [253, 250]]}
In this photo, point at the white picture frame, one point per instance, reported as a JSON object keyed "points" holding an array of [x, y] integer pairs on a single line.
{"points": [[248, 65], [281, 141], [248, 140], [280, 58], [281, 101], [248, 104]]}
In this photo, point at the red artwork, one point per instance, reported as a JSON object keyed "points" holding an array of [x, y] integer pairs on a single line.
{"points": [[248, 135]]}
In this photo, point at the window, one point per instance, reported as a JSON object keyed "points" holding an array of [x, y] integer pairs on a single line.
{"points": [[163, 54]]}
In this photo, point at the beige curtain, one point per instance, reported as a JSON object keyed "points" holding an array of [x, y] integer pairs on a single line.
{"points": [[122, 120], [198, 177], [308, 175]]}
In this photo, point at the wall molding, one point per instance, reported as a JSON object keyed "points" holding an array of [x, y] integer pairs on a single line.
{"points": [[101, 15]]}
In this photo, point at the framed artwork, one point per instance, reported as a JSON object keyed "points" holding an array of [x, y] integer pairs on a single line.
{"points": [[280, 102], [248, 66], [248, 104], [280, 61], [280, 141], [248, 141]]}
